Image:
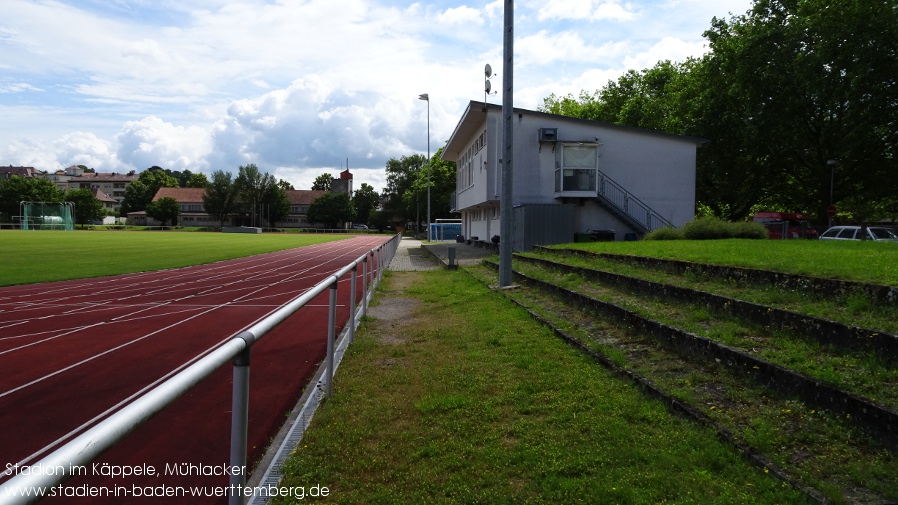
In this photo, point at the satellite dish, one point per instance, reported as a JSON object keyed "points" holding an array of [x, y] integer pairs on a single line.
{"points": [[488, 87], [488, 70]]}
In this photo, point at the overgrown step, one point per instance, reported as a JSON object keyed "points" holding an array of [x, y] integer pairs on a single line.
{"points": [[880, 422], [824, 331], [828, 288]]}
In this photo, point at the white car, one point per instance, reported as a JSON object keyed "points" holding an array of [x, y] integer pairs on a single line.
{"points": [[359, 227], [876, 233]]}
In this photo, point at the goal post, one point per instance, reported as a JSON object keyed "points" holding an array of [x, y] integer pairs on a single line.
{"points": [[47, 215]]}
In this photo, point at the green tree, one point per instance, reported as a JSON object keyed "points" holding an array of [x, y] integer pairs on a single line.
{"points": [[442, 185], [17, 189], [365, 201], [277, 205], [140, 193], [802, 82], [87, 207], [253, 190], [164, 210], [322, 183], [197, 180], [286, 186], [401, 177], [331, 209], [220, 196]]}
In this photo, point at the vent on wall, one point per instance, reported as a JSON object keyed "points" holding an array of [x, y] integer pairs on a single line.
{"points": [[548, 134]]}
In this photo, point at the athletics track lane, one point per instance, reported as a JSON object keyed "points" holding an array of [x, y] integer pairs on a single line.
{"points": [[71, 351]]}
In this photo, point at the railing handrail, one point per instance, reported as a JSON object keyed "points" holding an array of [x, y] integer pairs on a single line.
{"points": [[85, 448], [650, 214]]}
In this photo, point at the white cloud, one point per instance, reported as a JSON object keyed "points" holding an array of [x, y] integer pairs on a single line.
{"points": [[460, 16], [591, 10], [666, 49], [152, 141]]}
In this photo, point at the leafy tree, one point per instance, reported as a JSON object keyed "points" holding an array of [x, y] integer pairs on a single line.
{"points": [[365, 201], [331, 209], [805, 82], [140, 193], [87, 206], [286, 186], [442, 185], [277, 205], [322, 183], [219, 198], [197, 180], [401, 176], [164, 210], [254, 190], [17, 189]]}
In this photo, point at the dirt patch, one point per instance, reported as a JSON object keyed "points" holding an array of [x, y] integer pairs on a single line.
{"points": [[394, 310]]}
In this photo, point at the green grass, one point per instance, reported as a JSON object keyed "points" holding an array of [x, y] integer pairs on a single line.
{"points": [[484, 405], [874, 262], [43, 256]]}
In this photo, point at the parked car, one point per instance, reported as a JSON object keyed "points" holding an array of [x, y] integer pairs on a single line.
{"points": [[359, 227], [782, 225], [877, 233]]}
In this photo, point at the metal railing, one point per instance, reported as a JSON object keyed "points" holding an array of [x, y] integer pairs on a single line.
{"points": [[629, 205], [55, 468]]}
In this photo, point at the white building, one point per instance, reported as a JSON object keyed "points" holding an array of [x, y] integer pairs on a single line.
{"points": [[570, 175]]}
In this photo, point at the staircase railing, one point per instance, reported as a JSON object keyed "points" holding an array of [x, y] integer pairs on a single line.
{"points": [[630, 206]]}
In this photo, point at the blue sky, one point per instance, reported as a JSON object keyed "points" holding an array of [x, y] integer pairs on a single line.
{"points": [[299, 86]]}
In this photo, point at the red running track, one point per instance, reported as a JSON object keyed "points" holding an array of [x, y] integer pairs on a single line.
{"points": [[73, 352]]}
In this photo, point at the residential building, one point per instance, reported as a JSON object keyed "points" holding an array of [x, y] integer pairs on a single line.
{"points": [[113, 184], [569, 176], [194, 214], [9, 171]]}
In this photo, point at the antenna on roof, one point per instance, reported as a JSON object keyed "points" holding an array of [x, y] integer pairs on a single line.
{"points": [[487, 85]]}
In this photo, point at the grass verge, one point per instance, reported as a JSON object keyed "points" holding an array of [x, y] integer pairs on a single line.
{"points": [[874, 262], [45, 256], [451, 394]]}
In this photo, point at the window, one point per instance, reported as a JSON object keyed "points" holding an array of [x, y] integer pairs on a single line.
{"points": [[576, 166]]}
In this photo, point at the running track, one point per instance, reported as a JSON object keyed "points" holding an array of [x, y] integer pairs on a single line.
{"points": [[73, 352]]}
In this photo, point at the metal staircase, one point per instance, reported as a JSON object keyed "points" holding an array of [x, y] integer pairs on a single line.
{"points": [[631, 210]]}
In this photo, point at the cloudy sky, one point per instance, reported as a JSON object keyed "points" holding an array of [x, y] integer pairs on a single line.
{"points": [[299, 87]]}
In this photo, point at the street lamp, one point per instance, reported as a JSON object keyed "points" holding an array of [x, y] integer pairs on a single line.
{"points": [[426, 98], [832, 175]]}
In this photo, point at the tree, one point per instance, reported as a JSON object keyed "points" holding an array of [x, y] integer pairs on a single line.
{"points": [[277, 205], [442, 185], [164, 210], [220, 195], [331, 209], [87, 207], [322, 183], [365, 201], [140, 193], [286, 186], [197, 180], [17, 189], [401, 176], [254, 191]]}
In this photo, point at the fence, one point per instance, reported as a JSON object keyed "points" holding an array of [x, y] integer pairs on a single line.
{"points": [[89, 445]]}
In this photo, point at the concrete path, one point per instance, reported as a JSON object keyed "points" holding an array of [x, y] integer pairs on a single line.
{"points": [[415, 255]]}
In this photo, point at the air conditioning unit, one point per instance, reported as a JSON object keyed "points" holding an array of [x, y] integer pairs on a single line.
{"points": [[548, 134]]}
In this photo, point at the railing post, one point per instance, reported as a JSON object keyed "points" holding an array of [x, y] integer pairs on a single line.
{"points": [[239, 424], [365, 284], [352, 288], [331, 333]]}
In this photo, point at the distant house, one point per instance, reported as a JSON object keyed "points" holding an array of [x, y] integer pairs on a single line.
{"points": [[8, 172], [569, 176], [113, 184], [194, 214]]}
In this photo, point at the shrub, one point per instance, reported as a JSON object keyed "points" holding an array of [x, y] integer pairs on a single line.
{"points": [[664, 234], [710, 228]]}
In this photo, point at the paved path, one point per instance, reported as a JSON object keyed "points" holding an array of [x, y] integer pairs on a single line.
{"points": [[414, 255]]}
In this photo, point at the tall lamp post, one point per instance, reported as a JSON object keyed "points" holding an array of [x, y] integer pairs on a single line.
{"points": [[426, 98], [832, 176]]}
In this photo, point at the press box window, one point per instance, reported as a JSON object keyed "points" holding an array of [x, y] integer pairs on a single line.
{"points": [[576, 167]]}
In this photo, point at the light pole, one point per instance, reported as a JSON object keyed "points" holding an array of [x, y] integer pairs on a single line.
{"points": [[832, 175], [426, 98]]}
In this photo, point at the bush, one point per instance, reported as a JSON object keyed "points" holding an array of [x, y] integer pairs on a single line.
{"points": [[710, 228], [664, 234]]}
